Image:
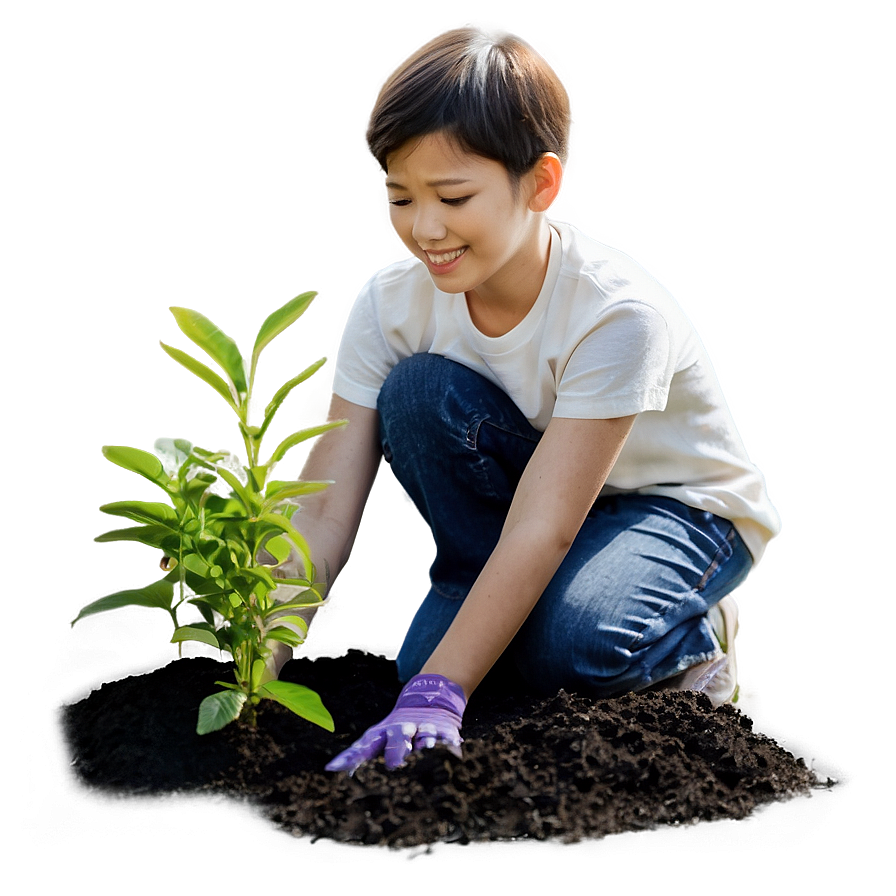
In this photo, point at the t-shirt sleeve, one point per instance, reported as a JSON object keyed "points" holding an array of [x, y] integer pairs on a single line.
{"points": [[392, 318], [623, 366], [365, 356]]}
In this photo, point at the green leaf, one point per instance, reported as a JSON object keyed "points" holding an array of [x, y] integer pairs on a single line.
{"points": [[239, 489], [155, 536], [196, 564], [284, 629], [198, 485], [296, 537], [159, 594], [279, 548], [311, 600], [204, 373], [286, 636], [277, 322], [217, 344], [256, 675], [143, 512], [224, 507], [284, 390], [301, 700], [301, 436], [219, 710], [205, 634], [297, 621], [138, 461], [257, 476], [211, 457], [258, 574], [280, 492]]}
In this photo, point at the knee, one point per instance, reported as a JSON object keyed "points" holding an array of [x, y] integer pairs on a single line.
{"points": [[426, 376], [426, 397], [412, 388], [592, 658]]}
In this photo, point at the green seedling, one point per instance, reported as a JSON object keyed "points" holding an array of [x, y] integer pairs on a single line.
{"points": [[229, 548]]}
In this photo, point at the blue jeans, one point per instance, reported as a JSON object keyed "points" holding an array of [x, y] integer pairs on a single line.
{"points": [[627, 607]]}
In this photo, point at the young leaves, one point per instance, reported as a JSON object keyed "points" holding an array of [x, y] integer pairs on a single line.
{"points": [[301, 436], [276, 323], [137, 461], [203, 372], [217, 345], [283, 391]]}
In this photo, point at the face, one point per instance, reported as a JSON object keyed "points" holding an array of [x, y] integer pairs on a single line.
{"points": [[462, 216]]}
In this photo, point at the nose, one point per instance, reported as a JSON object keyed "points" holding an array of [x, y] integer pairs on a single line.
{"points": [[428, 226]]}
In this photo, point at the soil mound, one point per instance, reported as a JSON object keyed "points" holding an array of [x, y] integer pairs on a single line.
{"points": [[565, 767]]}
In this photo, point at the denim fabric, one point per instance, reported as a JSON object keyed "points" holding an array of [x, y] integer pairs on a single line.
{"points": [[627, 607]]}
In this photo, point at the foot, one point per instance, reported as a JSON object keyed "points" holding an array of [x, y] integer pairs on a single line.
{"points": [[717, 678]]}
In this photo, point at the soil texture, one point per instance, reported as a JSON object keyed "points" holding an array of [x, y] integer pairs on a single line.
{"points": [[564, 767]]}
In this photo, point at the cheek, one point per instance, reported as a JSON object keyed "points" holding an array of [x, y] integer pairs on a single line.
{"points": [[400, 224]]}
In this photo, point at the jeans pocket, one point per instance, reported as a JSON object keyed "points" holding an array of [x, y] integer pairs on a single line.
{"points": [[504, 455]]}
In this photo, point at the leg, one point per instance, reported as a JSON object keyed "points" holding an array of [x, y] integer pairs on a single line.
{"points": [[627, 608]]}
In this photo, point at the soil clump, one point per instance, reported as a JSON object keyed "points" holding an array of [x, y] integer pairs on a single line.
{"points": [[565, 767]]}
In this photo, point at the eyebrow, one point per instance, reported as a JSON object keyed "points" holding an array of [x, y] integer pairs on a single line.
{"points": [[441, 182]]}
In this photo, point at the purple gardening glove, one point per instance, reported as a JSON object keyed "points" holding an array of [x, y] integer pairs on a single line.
{"points": [[428, 711]]}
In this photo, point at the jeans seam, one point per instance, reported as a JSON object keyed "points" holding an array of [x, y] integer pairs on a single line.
{"points": [[444, 594], [725, 551]]}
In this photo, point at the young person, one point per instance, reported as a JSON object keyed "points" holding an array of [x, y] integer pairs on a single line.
{"points": [[547, 406]]}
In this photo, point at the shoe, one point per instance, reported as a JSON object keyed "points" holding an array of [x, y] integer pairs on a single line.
{"points": [[717, 678], [720, 684]]}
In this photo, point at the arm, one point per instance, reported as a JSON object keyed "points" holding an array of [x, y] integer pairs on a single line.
{"points": [[329, 520], [558, 487], [350, 456]]}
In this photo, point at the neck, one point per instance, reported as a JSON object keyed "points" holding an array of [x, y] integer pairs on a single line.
{"points": [[498, 306]]}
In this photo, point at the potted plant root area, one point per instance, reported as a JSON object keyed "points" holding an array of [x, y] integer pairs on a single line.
{"points": [[564, 767]]}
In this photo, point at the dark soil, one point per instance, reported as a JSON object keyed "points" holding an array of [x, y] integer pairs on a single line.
{"points": [[564, 768]]}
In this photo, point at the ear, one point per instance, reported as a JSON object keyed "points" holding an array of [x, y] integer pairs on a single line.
{"points": [[547, 175]]}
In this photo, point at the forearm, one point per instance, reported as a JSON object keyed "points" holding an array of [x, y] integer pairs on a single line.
{"points": [[349, 457], [328, 521], [497, 605], [558, 487], [329, 544]]}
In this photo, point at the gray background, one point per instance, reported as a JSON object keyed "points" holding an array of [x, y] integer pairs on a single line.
{"points": [[212, 155]]}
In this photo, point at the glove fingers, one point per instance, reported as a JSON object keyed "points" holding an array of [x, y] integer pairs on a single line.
{"points": [[398, 743], [428, 735], [370, 744]]}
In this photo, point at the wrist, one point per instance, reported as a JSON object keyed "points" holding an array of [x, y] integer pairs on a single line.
{"points": [[435, 690]]}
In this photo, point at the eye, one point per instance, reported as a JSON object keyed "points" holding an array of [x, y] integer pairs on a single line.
{"points": [[459, 201], [399, 203]]}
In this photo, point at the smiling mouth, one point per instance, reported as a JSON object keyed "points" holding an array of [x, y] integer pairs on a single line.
{"points": [[443, 258]]}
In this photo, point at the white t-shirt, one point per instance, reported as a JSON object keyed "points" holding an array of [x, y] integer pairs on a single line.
{"points": [[603, 339]]}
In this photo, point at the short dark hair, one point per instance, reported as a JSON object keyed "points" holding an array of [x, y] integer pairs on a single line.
{"points": [[494, 95]]}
